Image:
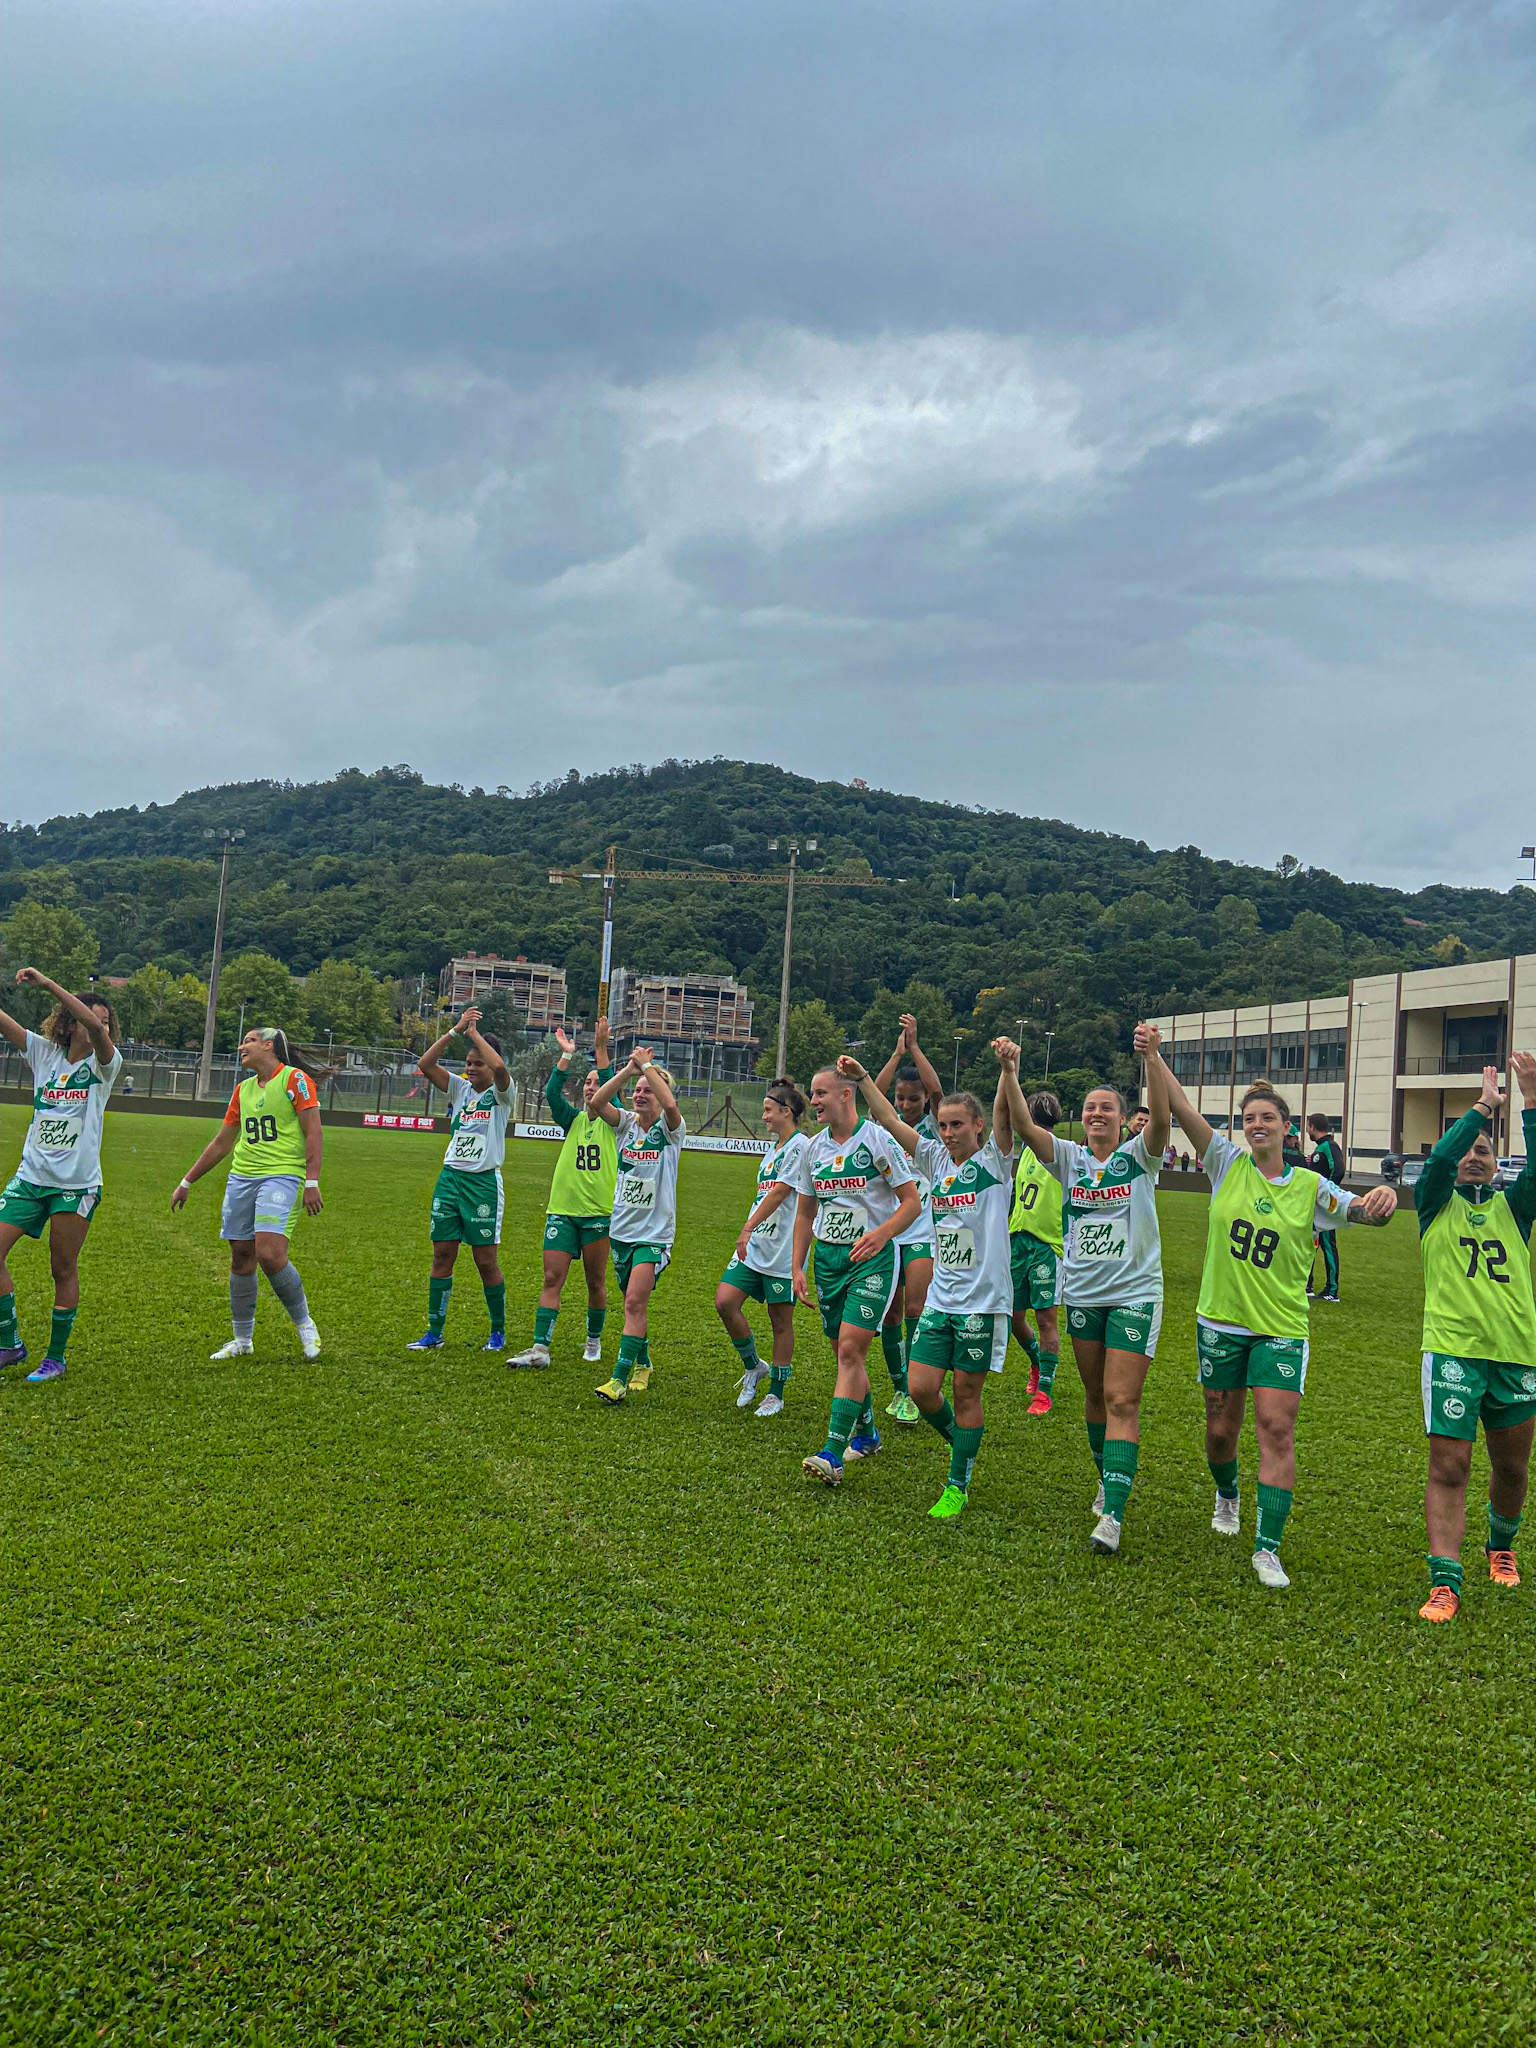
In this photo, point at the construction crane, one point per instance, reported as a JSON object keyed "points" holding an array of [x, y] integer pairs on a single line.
{"points": [[611, 875]]}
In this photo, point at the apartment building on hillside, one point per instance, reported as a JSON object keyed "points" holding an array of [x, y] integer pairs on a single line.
{"points": [[537, 988]]}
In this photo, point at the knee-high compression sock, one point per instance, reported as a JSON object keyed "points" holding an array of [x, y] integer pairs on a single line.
{"points": [[645, 1349], [1445, 1571], [866, 1422], [629, 1357], [289, 1289], [844, 1415], [909, 1327], [1224, 1472], [1030, 1346], [942, 1419], [1502, 1530], [596, 1317], [438, 1292], [496, 1302], [8, 1336], [58, 1336], [895, 1359], [1274, 1506], [242, 1305], [544, 1325], [1096, 1444], [1119, 1475], [1049, 1360], [963, 1446], [745, 1349]]}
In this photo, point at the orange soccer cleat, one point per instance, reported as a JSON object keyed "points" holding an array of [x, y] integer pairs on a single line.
{"points": [[1443, 1604], [1041, 1404], [1034, 1381], [1502, 1568]]}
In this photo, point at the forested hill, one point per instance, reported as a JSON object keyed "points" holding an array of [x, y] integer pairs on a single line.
{"points": [[1021, 916]]}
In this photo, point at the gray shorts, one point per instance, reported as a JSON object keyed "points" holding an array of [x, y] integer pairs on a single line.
{"points": [[253, 1204]]}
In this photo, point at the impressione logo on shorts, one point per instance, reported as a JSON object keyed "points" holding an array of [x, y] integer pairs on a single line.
{"points": [[1528, 1382], [973, 1324], [1453, 1372]]}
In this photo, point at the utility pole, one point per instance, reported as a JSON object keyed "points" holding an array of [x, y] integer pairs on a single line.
{"points": [[781, 1052], [205, 1071]]}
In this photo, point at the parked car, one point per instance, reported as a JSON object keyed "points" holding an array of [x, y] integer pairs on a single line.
{"points": [[1401, 1169], [1509, 1172]]}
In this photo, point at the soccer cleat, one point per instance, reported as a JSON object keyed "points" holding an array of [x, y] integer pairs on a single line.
{"points": [[238, 1347], [1034, 1381], [640, 1379], [593, 1351], [1443, 1604], [1224, 1519], [771, 1404], [748, 1384], [429, 1340], [826, 1466], [1332, 1298], [1106, 1536], [50, 1369], [1270, 1570], [13, 1354], [862, 1446], [1041, 1404], [612, 1391], [536, 1354], [309, 1338], [1098, 1501], [1502, 1569], [904, 1409], [949, 1503], [497, 1341]]}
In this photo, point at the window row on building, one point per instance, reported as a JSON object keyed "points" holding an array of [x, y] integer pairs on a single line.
{"points": [[1216, 1062]]}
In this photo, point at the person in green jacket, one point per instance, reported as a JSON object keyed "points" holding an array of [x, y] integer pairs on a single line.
{"points": [[1479, 1337], [580, 1210]]}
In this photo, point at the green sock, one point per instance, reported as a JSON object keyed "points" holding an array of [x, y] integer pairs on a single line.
{"points": [[58, 1336], [911, 1330], [1096, 1444], [645, 1350], [963, 1446], [844, 1415], [544, 1324], [629, 1357], [895, 1360], [1119, 1475], [8, 1336], [1274, 1506], [1224, 1472], [1029, 1345], [1502, 1530], [1049, 1360], [1445, 1571], [496, 1303], [746, 1350], [438, 1292], [866, 1421], [596, 1317], [778, 1378], [942, 1419]]}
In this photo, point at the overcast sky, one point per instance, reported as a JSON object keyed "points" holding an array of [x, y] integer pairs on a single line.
{"points": [[1121, 412]]}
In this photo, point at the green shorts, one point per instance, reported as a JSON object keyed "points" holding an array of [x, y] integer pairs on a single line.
{"points": [[572, 1234], [959, 1343], [27, 1206], [1229, 1360], [1036, 1272], [467, 1207], [909, 1252], [1461, 1392], [627, 1256], [859, 1295], [1133, 1326], [757, 1286]]}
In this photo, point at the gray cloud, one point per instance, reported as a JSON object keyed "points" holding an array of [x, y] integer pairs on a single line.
{"points": [[1120, 413]]}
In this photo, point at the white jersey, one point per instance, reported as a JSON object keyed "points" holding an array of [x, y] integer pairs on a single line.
{"points": [[771, 1247], [857, 1181], [478, 1126], [972, 1269], [1109, 1208], [645, 1199], [921, 1232], [69, 1107]]}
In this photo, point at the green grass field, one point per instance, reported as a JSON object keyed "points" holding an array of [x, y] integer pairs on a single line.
{"points": [[402, 1698]]}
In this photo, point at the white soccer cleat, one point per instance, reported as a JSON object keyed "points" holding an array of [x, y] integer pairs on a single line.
{"points": [[770, 1405], [592, 1352], [1106, 1536], [1270, 1570], [237, 1347], [751, 1380], [1224, 1518], [1098, 1501], [538, 1354], [309, 1338]]}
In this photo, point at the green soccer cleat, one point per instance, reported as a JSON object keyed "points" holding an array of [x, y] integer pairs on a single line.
{"points": [[949, 1503], [904, 1409]]}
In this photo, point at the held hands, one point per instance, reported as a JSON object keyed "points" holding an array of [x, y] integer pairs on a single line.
{"points": [[1379, 1205], [1147, 1040], [1491, 1099], [1523, 1066], [468, 1021], [640, 1057], [908, 1039], [1007, 1054]]}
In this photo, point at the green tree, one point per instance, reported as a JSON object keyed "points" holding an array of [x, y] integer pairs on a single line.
{"points": [[881, 1023], [51, 937], [266, 990], [163, 1008], [814, 1039], [504, 1020], [349, 1003]]}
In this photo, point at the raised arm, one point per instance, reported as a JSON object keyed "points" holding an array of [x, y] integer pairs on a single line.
{"points": [[599, 1043], [877, 1104], [16, 1033], [926, 1071], [1002, 1102], [1177, 1103], [1433, 1188], [1155, 1136], [1039, 1140], [500, 1076], [554, 1090], [428, 1065], [95, 1030], [663, 1094], [886, 1078]]}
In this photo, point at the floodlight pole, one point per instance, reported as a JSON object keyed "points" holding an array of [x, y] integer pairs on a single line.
{"points": [[205, 1069], [609, 874]]}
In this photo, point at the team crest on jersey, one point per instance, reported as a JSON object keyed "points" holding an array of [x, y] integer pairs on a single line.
{"points": [[1478, 1219], [1451, 1371], [1263, 1206]]}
